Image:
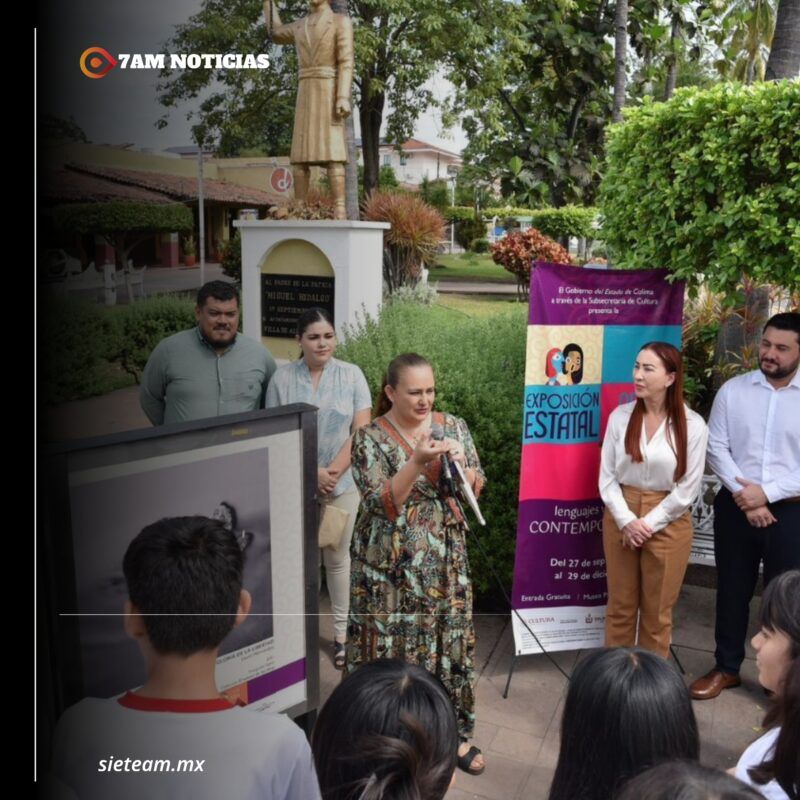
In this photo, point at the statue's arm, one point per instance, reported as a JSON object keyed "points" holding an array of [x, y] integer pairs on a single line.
{"points": [[344, 65], [282, 34]]}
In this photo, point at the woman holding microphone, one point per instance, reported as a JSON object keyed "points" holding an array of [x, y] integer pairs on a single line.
{"points": [[411, 593], [340, 392], [651, 468]]}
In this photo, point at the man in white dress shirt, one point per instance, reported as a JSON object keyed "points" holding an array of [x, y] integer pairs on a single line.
{"points": [[754, 448]]}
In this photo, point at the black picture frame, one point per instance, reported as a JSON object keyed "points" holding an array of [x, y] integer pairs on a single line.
{"points": [[289, 434]]}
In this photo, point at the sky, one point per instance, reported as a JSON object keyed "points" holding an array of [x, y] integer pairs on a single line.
{"points": [[122, 106]]}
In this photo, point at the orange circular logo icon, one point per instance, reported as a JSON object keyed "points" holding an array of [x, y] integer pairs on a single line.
{"points": [[96, 62]]}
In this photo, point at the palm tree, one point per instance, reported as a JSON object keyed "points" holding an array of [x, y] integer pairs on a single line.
{"points": [[620, 58], [749, 25], [784, 56]]}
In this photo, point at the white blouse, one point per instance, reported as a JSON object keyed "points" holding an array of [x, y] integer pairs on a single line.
{"points": [[759, 751], [655, 472]]}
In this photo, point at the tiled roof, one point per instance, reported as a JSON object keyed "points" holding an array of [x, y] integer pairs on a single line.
{"points": [[67, 186], [181, 188]]}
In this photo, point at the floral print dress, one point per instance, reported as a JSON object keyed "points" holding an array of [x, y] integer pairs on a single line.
{"points": [[411, 595]]}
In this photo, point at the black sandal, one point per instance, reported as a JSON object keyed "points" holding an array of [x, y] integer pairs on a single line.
{"points": [[465, 762], [338, 655]]}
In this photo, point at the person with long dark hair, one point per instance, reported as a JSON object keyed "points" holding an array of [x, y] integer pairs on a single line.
{"points": [[626, 710], [340, 392], [685, 780], [388, 732], [772, 763], [411, 593], [651, 469], [573, 364]]}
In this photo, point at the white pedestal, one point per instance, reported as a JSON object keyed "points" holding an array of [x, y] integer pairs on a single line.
{"points": [[353, 249]]}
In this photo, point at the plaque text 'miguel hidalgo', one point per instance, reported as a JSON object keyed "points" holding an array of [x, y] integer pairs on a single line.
{"points": [[285, 297]]}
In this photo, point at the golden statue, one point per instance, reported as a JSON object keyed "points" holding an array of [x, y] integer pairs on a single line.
{"points": [[324, 43]]}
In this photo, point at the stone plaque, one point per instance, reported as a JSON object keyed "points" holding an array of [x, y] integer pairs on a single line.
{"points": [[285, 297]]}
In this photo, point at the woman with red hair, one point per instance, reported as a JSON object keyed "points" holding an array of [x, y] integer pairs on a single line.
{"points": [[651, 468]]}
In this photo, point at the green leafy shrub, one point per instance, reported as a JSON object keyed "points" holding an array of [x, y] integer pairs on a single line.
{"points": [[232, 257], [479, 246], [553, 222], [485, 389], [708, 185], [456, 213], [469, 229], [558, 223], [143, 325], [78, 342], [88, 349], [435, 193]]}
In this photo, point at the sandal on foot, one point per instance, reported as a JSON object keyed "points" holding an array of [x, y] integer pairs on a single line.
{"points": [[338, 655], [465, 761]]}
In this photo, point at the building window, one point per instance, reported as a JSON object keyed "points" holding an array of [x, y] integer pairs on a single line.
{"points": [[403, 159], [387, 160]]}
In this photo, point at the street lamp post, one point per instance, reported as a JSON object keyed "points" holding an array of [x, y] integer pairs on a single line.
{"points": [[452, 182]]}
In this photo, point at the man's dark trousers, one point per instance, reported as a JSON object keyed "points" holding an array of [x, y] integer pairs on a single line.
{"points": [[738, 549]]}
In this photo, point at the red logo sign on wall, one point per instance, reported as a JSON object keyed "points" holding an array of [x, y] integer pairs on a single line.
{"points": [[281, 179]]}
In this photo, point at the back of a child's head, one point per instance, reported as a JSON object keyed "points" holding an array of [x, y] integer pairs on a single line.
{"points": [[184, 575], [388, 732], [626, 709], [685, 780]]}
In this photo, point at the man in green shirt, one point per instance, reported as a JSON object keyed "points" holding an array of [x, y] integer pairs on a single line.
{"points": [[210, 370]]}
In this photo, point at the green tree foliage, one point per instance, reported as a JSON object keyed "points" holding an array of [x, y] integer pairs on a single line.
{"points": [[708, 185], [241, 110], [744, 32], [542, 129], [123, 225], [401, 44], [435, 193], [55, 128]]}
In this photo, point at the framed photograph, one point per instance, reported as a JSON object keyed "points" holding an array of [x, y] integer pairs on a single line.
{"points": [[256, 472]]}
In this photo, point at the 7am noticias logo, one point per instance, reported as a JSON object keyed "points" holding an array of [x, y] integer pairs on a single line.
{"points": [[97, 62]]}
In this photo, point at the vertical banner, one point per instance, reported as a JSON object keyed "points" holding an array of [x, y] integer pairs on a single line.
{"points": [[585, 328]]}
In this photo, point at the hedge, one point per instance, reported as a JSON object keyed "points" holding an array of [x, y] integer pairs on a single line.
{"points": [[708, 185], [87, 349], [556, 223]]}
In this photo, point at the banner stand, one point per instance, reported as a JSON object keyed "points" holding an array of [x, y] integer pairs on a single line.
{"points": [[584, 331]]}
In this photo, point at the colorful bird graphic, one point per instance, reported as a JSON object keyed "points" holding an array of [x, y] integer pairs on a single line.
{"points": [[553, 366]]}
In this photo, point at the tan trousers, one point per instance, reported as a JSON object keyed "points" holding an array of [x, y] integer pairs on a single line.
{"points": [[646, 579]]}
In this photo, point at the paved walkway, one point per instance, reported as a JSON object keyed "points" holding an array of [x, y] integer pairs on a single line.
{"points": [[519, 735]]}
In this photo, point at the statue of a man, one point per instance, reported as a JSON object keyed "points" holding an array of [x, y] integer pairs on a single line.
{"points": [[324, 43]]}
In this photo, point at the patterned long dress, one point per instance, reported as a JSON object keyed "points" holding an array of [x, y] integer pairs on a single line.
{"points": [[411, 595]]}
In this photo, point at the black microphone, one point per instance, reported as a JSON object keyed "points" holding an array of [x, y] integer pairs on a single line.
{"points": [[437, 434]]}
